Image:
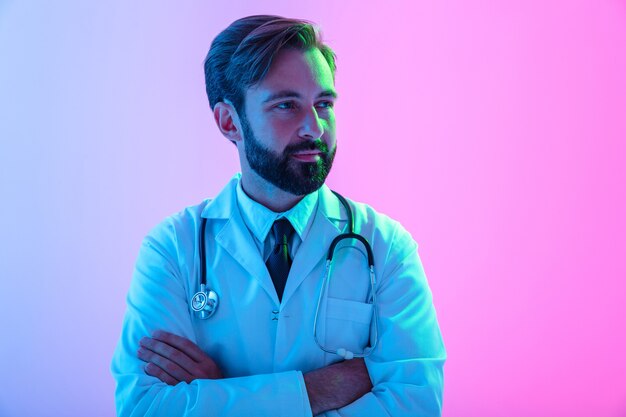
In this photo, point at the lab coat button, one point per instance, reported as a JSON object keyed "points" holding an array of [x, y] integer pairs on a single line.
{"points": [[275, 315]]}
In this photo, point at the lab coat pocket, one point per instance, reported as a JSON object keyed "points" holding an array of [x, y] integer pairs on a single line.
{"points": [[348, 324]]}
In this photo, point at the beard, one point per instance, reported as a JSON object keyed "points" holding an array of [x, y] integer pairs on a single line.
{"points": [[283, 171]]}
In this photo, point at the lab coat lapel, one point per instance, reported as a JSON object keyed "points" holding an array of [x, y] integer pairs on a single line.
{"points": [[235, 237], [327, 224]]}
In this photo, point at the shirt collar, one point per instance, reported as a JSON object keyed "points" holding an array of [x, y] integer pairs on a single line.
{"points": [[260, 219]]}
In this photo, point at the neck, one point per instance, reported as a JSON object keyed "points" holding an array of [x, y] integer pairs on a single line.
{"points": [[268, 194]]}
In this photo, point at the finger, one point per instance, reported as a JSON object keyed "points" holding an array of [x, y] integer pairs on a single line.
{"points": [[153, 370], [165, 364], [169, 352], [182, 344]]}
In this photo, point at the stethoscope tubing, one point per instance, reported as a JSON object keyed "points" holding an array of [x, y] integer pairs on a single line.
{"points": [[206, 312]]}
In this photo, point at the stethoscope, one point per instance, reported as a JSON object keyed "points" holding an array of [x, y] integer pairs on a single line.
{"points": [[204, 303]]}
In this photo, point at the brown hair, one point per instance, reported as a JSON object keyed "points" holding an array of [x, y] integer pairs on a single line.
{"points": [[241, 55]]}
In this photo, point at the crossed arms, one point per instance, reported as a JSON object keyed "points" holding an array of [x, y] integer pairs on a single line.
{"points": [[403, 376], [174, 359]]}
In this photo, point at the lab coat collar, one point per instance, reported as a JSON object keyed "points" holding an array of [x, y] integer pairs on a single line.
{"points": [[234, 236], [221, 207], [260, 219], [330, 220]]}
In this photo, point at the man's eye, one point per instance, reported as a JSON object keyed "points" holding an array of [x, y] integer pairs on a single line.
{"points": [[326, 104], [286, 105]]}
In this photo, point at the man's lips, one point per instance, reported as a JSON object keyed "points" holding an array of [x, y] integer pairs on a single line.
{"points": [[307, 156]]}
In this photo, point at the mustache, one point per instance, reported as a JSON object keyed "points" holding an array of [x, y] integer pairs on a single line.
{"points": [[307, 146]]}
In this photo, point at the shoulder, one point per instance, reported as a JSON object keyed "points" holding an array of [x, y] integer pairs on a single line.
{"points": [[395, 250], [182, 223], [391, 243], [379, 226], [178, 228]]}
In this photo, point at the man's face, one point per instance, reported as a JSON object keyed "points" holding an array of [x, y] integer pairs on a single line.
{"points": [[289, 122]]}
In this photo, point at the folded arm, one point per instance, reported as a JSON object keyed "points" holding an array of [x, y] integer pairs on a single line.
{"points": [[174, 359], [406, 368], [149, 365]]}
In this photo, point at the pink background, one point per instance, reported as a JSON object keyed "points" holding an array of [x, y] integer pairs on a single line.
{"points": [[494, 131]]}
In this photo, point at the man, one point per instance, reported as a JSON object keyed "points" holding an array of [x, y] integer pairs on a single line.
{"points": [[281, 338]]}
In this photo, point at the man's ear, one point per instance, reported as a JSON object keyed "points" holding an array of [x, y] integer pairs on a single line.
{"points": [[227, 121]]}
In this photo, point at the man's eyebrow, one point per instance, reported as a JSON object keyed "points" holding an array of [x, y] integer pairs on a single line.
{"points": [[328, 93], [293, 94]]}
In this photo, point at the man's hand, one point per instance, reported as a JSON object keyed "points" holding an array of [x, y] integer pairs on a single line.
{"points": [[337, 385], [173, 359]]}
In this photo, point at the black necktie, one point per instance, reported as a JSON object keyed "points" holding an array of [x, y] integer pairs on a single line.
{"points": [[279, 262]]}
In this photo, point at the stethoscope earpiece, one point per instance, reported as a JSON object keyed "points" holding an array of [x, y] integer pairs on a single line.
{"points": [[346, 354]]}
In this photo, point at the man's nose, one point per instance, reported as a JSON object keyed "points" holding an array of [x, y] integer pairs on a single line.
{"points": [[312, 127]]}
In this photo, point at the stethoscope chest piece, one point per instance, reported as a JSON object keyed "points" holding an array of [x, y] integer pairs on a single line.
{"points": [[205, 302]]}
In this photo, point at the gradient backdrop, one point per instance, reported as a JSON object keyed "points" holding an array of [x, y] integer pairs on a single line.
{"points": [[493, 130]]}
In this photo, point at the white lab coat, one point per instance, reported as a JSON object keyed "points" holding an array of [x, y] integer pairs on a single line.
{"points": [[263, 354]]}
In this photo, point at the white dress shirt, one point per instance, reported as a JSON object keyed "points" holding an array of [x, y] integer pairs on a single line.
{"points": [[259, 220]]}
